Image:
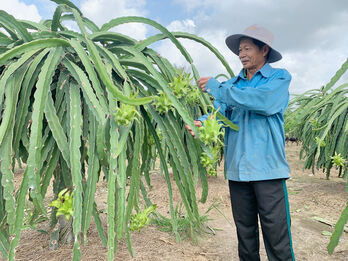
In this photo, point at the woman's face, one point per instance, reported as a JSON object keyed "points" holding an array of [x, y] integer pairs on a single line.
{"points": [[250, 55]]}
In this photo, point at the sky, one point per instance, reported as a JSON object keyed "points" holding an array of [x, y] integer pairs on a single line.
{"points": [[311, 35]]}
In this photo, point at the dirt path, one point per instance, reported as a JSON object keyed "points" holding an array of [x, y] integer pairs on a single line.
{"points": [[309, 196]]}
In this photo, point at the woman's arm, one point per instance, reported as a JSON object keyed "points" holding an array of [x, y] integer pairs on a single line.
{"points": [[266, 99]]}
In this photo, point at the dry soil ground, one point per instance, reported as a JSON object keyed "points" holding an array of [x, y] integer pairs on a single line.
{"points": [[309, 195]]}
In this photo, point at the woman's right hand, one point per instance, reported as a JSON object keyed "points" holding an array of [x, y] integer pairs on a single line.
{"points": [[196, 123], [202, 82]]}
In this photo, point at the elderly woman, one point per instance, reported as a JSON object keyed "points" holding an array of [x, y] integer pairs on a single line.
{"points": [[255, 161]]}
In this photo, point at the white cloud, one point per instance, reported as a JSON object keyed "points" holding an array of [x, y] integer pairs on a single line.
{"points": [[102, 11], [186, 25], [309, 34], [205, 61], [21, 10], [193, 4], [305, 76]]}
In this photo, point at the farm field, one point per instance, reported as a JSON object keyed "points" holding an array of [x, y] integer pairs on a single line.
{"points": [[91, 114], [309, 195]]}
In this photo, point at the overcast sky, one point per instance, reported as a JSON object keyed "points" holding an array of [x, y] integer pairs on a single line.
{"points": [[310, 34]]}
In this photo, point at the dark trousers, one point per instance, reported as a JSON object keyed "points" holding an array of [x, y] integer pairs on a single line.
{"points": [[267, 199]]}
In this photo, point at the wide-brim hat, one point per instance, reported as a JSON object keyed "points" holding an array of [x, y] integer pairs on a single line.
{"points": [[256, 32]]}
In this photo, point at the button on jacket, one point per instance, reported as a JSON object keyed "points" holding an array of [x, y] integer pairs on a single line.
{"points": [[257, 150]]}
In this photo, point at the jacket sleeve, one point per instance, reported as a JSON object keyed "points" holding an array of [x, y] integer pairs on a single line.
{"points": [[218, 106], [267, 99]]}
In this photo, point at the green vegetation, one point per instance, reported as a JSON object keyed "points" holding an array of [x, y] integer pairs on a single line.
{"points": [[79, 106], [319, 119]]}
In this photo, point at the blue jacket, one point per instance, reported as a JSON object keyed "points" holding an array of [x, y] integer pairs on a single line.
{"points": [[257, 150]]}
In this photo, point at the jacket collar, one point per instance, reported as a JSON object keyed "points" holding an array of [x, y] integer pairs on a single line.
{"points": [[265, 71]]}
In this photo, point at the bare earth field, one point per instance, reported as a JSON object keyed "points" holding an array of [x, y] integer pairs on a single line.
{"points": [[309, 195]]}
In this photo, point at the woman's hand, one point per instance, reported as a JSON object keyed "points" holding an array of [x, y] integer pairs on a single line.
{"points": [[202, 82], [196, 123]]}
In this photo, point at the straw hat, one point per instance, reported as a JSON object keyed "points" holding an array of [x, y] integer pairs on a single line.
{"points": [[259, 33]]}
